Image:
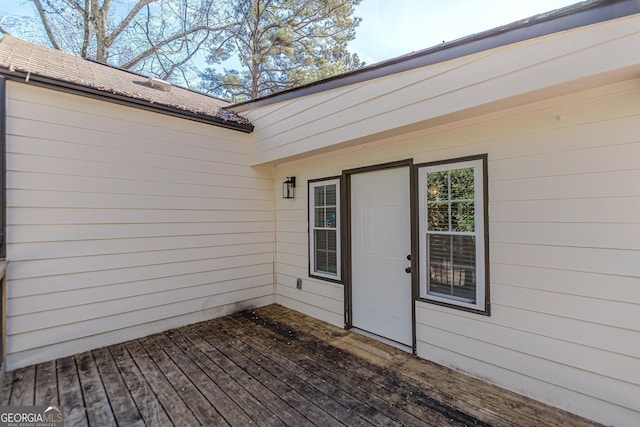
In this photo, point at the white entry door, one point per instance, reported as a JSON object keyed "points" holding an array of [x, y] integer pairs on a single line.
{"points": [[380, 242]]}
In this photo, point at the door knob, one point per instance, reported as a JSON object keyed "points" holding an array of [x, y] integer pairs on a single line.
{"points": [[409, 257], [407, 270]]}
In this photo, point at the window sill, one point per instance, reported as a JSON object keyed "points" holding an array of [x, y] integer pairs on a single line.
{"points": [[485, 312], [326, 279]]}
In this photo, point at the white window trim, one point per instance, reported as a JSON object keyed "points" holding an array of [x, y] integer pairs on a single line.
{"points": [[311, 207], [478, 167]]}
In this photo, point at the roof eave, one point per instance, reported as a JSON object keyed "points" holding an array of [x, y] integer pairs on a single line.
{"points": [[568, 18], [91, 92]]}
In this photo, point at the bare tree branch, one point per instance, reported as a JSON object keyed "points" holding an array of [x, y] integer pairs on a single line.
{"points": [[115, 32], [178, 65], [47, 26], [156, 48], [128, 19], [78, 8], [87, 28]]}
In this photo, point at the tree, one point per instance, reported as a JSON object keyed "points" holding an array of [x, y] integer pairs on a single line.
{"points": [[285, 43], [154, 37]]}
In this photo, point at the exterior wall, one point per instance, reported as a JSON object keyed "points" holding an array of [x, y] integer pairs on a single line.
{"points": [[123, 222], [318, 298], [564, 249]]}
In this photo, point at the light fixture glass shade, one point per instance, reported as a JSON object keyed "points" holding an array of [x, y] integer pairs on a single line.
{"points": [[289, 188]]}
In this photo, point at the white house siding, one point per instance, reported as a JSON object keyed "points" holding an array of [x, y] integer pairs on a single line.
{"points": [[318, 298], [460, 88], [124, 222], [564, 212]]}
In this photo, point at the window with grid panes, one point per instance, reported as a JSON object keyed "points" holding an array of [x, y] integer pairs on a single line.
{"points": [[452, 234], [324, 228]]}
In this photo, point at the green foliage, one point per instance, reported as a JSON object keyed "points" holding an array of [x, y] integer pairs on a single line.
{"points": [[450, 200], [282, 44]]}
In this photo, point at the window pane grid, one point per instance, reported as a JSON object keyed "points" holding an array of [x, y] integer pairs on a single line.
{"points": [[451, 224], [324, 229], [326, 250], [452, 262], [451, 200]]}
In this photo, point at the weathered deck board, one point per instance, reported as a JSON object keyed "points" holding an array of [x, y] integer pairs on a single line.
{"points": [[302, 405], [202, 409], [176, 409], [371, 358], [267, 367], [23, 391], [7, 385], [95, 398], [249, 403], [124, 407], [227, 408], [369, 407], [305, 383], [70, 393], [472, 396], [338, 367], [267, 398], [46, 387], [146, 401]]}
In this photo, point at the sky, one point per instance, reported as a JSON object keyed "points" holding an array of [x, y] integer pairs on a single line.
{"points": [[391, 28]]}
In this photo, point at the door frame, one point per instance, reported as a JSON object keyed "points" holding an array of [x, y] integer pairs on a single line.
{"points": [[347, 270]]}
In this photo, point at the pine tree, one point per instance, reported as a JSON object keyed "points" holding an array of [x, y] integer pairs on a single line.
{"points": [[282, 44]]}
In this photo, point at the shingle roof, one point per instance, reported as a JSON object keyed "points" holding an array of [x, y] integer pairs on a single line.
{"points": [[31, 62]]}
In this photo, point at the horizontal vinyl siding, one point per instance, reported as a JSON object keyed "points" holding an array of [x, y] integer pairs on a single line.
{"points": [[318, 298], [486, 81], [123, 222], [564, 233]]}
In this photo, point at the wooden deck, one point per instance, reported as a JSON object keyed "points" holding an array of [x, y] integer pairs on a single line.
{"points": [[270, 366]]}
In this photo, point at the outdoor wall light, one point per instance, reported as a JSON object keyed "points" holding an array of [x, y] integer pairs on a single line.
{"points": [[289, 188]]}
